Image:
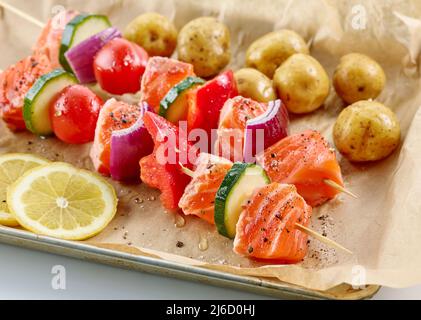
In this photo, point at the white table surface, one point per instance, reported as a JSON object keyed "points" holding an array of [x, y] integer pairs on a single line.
{"points": [[26, 274]]}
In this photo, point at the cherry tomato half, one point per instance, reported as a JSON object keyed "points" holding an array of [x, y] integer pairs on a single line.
{"points": [[74, 114], [119, 66]]}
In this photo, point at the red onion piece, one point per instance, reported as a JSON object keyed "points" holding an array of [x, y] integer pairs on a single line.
{"points": [[81, 57], [265, 130], [128, 146]]}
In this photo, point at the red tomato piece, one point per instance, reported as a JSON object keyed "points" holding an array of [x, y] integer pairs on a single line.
{"points": [[162, 169], [206, 103], [119, 66], [74, 114], [161, 75]]}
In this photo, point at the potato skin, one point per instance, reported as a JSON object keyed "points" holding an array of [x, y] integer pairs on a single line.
{"points": [[253, 84], [154, 33], [302, 83], [267, 53], [358, 77], [206, 44], [366, 131]]}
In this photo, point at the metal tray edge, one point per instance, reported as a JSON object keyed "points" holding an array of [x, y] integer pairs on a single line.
{"points": [[84, 251]]}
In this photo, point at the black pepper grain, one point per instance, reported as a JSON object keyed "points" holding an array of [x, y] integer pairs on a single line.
{"points": [[180, 244]]}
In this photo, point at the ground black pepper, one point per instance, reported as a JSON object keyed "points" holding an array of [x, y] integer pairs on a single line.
{"points": [[180, 244]]}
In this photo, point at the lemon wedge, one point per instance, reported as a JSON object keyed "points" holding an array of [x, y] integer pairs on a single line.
{"points": [[61, 201], [12, 167]]}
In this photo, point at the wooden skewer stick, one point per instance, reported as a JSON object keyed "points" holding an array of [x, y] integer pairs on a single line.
{"points": [[300, 227], [186, 171], [338, 187], [22, 14], [322, 238]]}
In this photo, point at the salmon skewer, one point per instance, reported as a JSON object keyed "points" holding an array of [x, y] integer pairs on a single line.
{"points": [[294, 214], [266, 229], [199, 196], [306, 161], [293, 160], [17, 80]]}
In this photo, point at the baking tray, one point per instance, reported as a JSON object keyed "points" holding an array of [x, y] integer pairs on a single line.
{"points": [[85, 251], [88, 252]]}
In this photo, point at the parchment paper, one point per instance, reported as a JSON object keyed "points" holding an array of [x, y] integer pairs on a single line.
{"points": [[382, 227]]}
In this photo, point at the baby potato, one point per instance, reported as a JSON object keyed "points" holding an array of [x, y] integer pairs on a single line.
{"points": [[206, 44], [270, 51], [358, 77], [154, 33], [302, 83], [366, 131], [255, 85]]}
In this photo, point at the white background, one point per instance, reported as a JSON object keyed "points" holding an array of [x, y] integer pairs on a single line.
{"points": [[26, 274]]}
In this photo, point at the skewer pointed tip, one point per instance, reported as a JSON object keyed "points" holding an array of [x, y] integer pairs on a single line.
{"points": [[186, 171], [22, 14], [322, 238], [340, 188]]}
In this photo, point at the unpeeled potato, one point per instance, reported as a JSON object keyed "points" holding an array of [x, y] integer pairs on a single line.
{"points": [[358, 77], [206, 44], [267, 53], [366, 131], [302, 83], [154, 33], [255, 85]]}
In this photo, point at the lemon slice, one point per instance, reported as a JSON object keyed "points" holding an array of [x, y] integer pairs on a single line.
{"points": [[61, 201], [12, 167]]}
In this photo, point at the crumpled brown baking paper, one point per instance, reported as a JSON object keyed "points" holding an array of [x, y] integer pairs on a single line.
{"points": [[382, 227]]}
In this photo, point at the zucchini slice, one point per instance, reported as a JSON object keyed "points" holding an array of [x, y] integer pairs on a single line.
{"points": [[39, 98], [80, 28], [236, 189], [174, 105]]}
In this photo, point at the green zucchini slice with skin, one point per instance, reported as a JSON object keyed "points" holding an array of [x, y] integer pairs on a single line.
{"points": [[39, 98], [172, 107], [236, 189], [80, 28]]}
